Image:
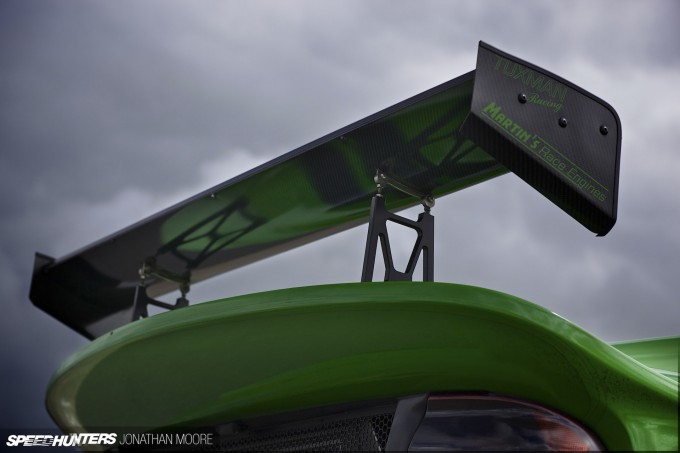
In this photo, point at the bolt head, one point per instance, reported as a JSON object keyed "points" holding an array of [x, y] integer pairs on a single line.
{"points": [[428, 201], [604, 130], [562, 122], [522, 98]]}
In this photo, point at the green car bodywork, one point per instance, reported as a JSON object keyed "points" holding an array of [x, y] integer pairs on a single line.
{"points": [[307, 347], [660, 354]]}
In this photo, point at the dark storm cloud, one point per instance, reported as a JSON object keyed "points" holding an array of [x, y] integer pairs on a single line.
{"points": [[112, 111], [139, 102]]}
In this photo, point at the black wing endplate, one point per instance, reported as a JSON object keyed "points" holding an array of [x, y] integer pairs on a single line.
{"points": [[312, 192], [562, 140]]}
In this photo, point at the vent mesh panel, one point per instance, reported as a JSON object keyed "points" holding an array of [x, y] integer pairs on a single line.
{"points": [[338, 428], [362, 433]]}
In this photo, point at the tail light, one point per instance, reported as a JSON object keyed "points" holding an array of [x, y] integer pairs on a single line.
{"points": [[479, 422]]}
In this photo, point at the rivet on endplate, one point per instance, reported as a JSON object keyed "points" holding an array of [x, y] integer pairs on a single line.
{"points": [[522, 98], [604, 130], [562, 122]]}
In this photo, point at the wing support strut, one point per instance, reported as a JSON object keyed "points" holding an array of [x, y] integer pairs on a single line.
{"points": [[377, 231], [142, 299]]}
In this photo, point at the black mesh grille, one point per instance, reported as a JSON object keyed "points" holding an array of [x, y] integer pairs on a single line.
{"points": [[355, 433], [349, 427]]}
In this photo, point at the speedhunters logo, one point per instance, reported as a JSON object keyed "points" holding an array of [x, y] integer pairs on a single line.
{"points": [[109, 440], [65, 440]]}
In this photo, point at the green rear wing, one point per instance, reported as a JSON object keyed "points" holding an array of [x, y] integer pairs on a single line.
{"points": [[443, 140]]}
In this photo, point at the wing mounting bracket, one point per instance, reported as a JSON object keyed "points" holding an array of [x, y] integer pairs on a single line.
{"points": [[377, 231], [142, 299]]}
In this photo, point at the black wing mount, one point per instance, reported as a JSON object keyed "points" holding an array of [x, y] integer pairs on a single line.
{"points": [[323, 188], [378, 233]]}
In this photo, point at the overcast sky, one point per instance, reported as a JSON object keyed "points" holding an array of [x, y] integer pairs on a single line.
{"points": [[111, 111]]}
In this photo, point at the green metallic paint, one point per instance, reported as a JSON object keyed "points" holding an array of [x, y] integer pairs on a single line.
{"points": [[306, 347], [660, 354]]}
